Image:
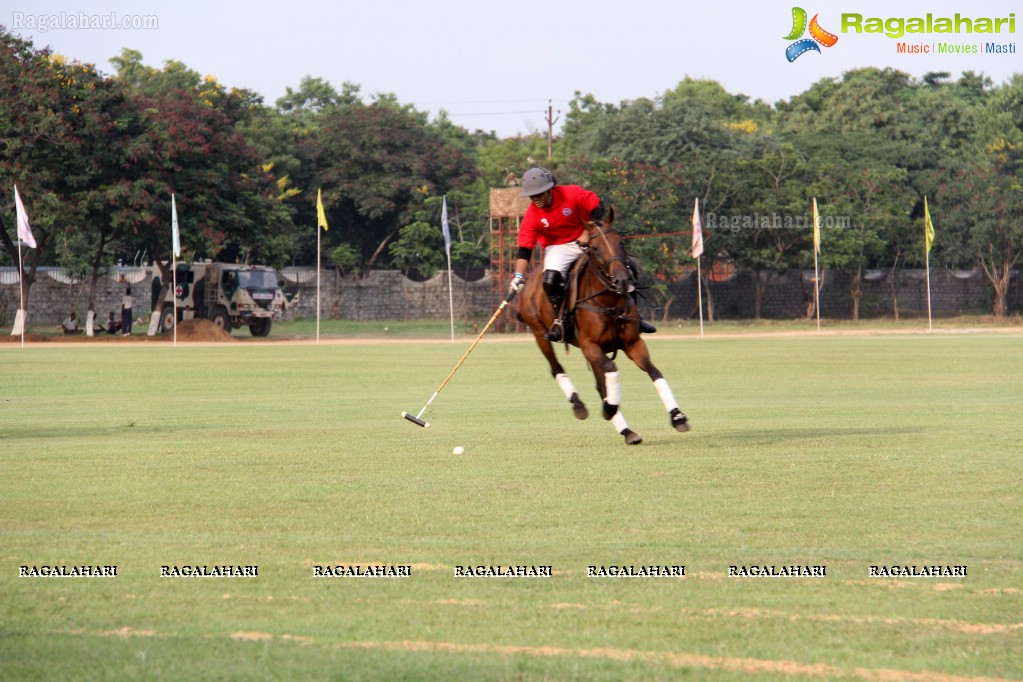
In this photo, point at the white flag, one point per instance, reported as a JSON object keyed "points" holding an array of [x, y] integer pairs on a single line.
{"points": [[816, 228], [175, 236], [24, 229], [697, 248], [444, 225]]}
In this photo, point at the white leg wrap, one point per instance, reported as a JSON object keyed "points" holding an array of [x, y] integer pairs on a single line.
{"points": [[664, 391], [613, 388], [567, 387], [618, 421]]}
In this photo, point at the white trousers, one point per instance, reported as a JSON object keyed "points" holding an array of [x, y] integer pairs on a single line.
{"points": [[561, 256]]}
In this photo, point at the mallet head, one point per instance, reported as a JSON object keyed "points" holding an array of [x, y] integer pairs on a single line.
{"points": [[415, 420]]}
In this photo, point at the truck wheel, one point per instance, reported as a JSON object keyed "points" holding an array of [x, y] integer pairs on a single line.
{"points": [[222, 319], [167, 320], [261, 327]]}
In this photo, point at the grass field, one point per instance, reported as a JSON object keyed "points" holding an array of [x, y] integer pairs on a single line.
{"points": [[846, 452]]}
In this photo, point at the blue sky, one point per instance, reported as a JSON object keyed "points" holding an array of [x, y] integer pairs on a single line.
{"points": [[494, 66]]}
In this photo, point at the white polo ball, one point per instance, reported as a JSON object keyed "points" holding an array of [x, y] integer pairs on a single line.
{"points": [[459, 450]]}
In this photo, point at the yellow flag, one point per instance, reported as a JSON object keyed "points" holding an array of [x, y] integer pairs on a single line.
{"points": [[816, 228], [928, 228], [321, 217]]}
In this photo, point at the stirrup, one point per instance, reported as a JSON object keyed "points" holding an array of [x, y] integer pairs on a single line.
{"points": [[555, 334]]}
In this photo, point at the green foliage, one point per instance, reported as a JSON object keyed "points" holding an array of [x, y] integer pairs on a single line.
{"points": [[420, 245], [501, 163], [376, 163], [343, 257], [106, 152]]}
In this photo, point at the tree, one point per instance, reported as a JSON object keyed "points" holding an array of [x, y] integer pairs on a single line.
{"points": [[501, 163], [773, 175], [374, 162], [978, 214], [182, 138], [57, 119]]}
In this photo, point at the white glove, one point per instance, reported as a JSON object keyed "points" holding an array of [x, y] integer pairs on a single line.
{"points": [[518, 281]]}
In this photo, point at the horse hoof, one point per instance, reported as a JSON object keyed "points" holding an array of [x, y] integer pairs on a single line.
{"points": [[679, 421], [631, 437], [579, 409]]}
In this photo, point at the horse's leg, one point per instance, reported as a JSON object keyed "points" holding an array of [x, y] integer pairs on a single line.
{"points": [[558, 372], [532, 300], [566, 385], [610, 390], [640, 354]]}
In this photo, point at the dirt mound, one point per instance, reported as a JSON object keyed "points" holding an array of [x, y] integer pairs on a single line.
{"points": [[199, 329], [29, 338]]}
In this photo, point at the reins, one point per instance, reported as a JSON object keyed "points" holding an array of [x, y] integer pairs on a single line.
{"points": [[603, 275]]}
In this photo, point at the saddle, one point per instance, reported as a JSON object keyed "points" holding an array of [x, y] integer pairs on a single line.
{"points": [[568, 303], [572, 283]]}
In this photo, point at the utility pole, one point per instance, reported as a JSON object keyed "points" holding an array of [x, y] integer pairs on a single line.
{"points": [[550, 130]]}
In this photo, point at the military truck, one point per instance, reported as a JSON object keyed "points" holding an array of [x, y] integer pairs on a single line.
{"points": [[229, 294]]}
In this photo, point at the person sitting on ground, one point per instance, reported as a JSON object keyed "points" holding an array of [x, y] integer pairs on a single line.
{"points": [[70, 325], [113, 326]]}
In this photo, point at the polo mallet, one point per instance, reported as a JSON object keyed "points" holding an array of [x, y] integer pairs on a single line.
{"points": [[417, 419]]}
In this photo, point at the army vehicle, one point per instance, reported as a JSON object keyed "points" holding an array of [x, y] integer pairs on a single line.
{"points": [[229, 294]]}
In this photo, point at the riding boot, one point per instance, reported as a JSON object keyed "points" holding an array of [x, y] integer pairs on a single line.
{"points": [[644, 326], [553, 288], [555, 334]]}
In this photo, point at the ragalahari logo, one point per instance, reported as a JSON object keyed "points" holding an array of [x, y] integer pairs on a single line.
{"points": [[817, 35]]}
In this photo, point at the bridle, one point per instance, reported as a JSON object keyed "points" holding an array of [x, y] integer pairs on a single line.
{"points": [[604, 269]]}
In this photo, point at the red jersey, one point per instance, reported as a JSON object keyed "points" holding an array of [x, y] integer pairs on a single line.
{"points": [[561, 222]]}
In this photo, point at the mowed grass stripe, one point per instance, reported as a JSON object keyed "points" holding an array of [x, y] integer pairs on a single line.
{"points": [[839, 451]]}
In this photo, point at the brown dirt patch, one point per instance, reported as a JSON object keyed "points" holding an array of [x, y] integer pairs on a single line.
{"points": [[200, 330], [194, 331], [29, 338], [128, 631]]}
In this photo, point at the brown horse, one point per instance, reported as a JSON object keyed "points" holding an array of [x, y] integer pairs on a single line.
{"points": [[605, 321]]}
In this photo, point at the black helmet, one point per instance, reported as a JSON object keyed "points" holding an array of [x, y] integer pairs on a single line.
{"points": [[536, 181]]}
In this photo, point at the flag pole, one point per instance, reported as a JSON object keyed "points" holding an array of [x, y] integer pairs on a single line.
{"points": [[174, 293], [816, 292], [928, 239], [816, 271], [696, 251], [175, 245], [24, 233], [451, 299], [447, 248], [317, 284], [21, 290], [930, 326], [321, 221], [699, 292]]}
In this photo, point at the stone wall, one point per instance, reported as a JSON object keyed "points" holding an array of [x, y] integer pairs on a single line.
{"points": [[379, 295], [54, 295], [388, 295]]}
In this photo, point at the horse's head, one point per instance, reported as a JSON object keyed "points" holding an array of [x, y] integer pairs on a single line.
{"points": [[607, 252]]}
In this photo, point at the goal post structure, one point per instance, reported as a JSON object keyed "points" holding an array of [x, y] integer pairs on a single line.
{"points": [[506, 211]]}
